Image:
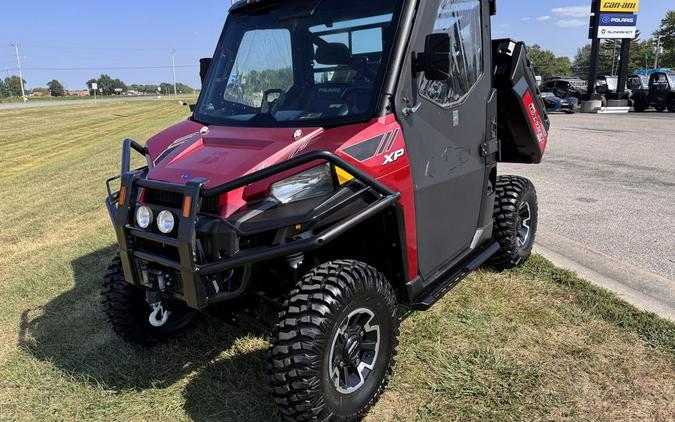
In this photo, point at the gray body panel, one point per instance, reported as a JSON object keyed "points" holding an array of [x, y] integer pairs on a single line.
{"points": [[444, 149]]}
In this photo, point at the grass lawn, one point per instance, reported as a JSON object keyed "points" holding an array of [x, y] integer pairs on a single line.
{"points": [[536, 343]]}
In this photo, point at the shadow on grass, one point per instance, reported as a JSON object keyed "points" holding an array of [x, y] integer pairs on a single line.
{"points": [[71, 333]]}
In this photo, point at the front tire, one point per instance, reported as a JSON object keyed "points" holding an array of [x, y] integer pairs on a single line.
{"points": [[127, 311], [333, 350], [515, 221], [671, 106]]}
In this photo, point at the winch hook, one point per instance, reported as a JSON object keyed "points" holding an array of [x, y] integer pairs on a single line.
{"points": [[159, 316]]}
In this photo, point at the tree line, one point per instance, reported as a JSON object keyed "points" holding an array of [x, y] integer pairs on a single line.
{"points": [[106, 85]]}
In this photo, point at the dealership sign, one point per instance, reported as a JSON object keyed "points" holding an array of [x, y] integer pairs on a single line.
{"points": [[618, 6], [605, 32], [613, 25], [613, 19]]}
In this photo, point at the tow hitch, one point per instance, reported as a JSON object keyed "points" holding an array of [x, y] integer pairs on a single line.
{"points": [[159, 316], [156, 281]]}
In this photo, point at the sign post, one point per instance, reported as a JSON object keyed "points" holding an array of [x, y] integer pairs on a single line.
{"points": [[612, 19], [94, 87]]}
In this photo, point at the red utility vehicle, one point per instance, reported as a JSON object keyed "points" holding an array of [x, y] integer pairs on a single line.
{"points": [[340, 166]]}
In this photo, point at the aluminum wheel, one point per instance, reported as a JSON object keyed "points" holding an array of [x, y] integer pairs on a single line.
{"points": [[354, 351], [523, 228]]}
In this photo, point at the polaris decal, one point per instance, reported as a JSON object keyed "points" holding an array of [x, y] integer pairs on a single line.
{"points": [[535, 120], [376, 146]]}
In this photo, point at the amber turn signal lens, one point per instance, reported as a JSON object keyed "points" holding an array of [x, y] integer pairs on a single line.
{"points": [[123, 195], [187, 204]]}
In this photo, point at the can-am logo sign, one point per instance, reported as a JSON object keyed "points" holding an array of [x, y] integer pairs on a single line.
{"points": [[620, 6]]}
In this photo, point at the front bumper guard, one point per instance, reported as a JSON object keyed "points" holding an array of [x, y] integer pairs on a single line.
{"points": [[122, 204]]}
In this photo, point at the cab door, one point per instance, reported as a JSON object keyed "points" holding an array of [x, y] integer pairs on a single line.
{"points": [[444, 123]]}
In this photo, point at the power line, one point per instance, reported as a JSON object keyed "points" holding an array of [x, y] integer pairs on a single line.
{"points": [[108, 68], [64, 47]]}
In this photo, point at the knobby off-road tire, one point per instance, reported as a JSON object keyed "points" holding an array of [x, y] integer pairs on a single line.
{"points": [[127, 311], [321, 322], [515, 221], [671, 105]]}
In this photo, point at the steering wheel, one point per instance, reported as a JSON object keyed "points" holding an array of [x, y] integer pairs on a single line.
{"points": [[347, 92], [265, 107]]}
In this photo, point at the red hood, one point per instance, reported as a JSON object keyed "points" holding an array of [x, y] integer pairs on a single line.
{"points": [[222, 154]]}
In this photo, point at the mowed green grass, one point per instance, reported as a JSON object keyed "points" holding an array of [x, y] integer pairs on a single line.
{"points": [[536, 343]]}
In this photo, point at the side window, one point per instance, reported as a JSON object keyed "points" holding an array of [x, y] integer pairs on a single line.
{"points": [[264, 61], [461, 19]]}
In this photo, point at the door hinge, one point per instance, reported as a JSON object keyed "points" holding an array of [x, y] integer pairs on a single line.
{"points": [[489, 148]]}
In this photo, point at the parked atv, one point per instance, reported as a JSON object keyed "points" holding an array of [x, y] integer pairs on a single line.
{"points": [[340, 167], [660, 95], [555, 104], [565, 88]]}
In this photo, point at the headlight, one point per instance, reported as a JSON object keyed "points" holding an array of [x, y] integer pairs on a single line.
{"points": [[165, 222], [309, 184], [143, 217]]}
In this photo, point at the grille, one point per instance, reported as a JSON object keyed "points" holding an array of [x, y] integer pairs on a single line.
{"points": [[164, 198], [175, 200]]}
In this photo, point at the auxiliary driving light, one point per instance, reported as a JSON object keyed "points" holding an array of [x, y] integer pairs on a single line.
{"points": [[143, 217], [165, 222]]}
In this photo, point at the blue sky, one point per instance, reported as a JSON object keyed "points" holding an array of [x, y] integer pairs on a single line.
{"points": [[132, 40]]}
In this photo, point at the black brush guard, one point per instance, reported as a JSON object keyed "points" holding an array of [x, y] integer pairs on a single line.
{"points": [[194, 294]]}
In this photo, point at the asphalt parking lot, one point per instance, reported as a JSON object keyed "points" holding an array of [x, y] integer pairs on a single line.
{"points": [[606, 192]]}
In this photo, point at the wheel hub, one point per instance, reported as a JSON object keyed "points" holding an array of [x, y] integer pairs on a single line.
{"points": [[354, 351], [523, 224]]}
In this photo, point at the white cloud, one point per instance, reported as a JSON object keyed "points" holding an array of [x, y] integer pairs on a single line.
{"points": [[544, 18], [573, 11], [571, 23], [525, 19]]}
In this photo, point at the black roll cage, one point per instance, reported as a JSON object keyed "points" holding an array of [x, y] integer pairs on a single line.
{"points": [[121, 206]]}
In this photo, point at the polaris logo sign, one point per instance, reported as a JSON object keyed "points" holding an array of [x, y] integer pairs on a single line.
{"points": [[612, 19], [614, 25]]}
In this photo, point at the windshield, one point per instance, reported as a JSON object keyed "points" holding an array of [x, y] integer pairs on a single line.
{"points": [[310, 63], [671, 79]]}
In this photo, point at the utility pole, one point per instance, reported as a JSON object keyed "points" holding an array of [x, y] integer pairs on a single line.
{"points": [[657, 52], [18, 61], [173, 65]]}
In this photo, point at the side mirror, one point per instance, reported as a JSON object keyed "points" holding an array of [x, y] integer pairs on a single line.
{"points": [[204, 65], [435, 61]]}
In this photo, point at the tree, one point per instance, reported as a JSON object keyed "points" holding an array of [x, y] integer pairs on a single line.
{"points": [[641, 55], [56, 88], [4, 91], [13, 84], [107, 85], [667, 33], [546, 64], [609, 54], [582, 61]]}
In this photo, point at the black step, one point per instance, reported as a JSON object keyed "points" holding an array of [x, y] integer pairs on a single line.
{"points": [[448, 280]]}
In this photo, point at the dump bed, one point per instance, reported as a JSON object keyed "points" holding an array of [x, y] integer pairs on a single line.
{"points": [[522, 120]]}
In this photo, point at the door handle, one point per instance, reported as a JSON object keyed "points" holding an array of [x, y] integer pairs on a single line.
{"points": [[409, 111]]}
